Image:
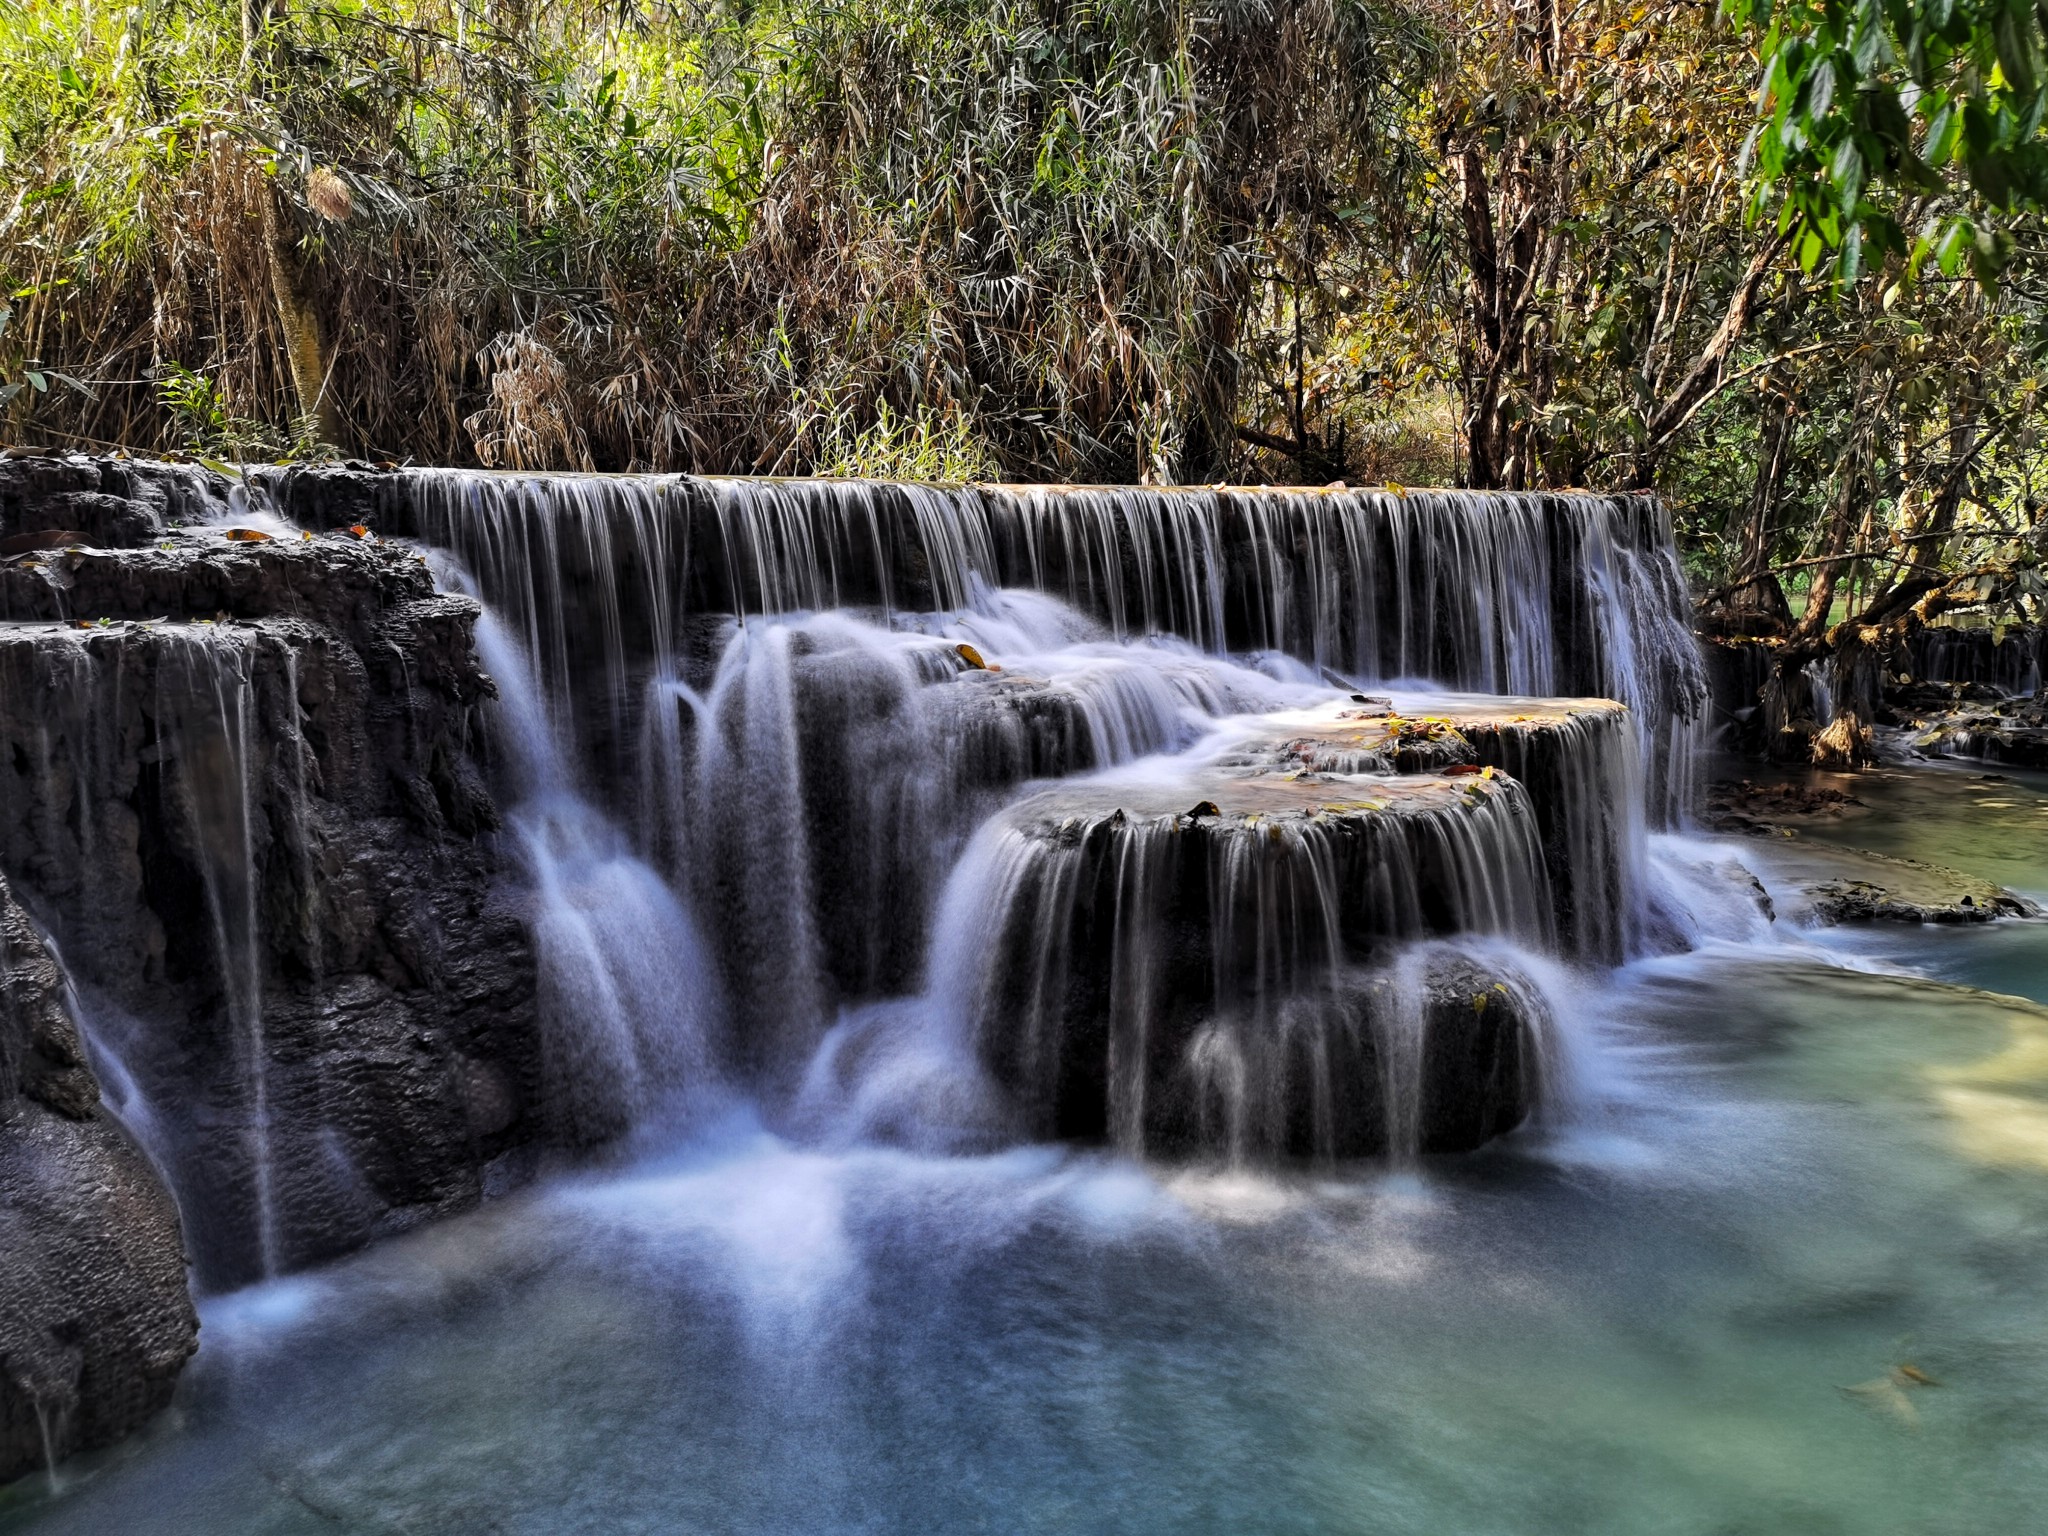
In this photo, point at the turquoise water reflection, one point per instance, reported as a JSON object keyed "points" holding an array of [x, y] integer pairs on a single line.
{"points": [[1790, 1178]]}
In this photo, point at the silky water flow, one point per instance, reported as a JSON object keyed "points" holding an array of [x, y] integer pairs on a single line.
{"points": [[1012, 991]]}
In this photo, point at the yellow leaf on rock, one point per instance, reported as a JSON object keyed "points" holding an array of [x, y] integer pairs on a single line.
{"points": [[247, 536], [970, 655]]}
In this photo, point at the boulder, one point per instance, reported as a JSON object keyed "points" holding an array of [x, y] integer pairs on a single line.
{"points": [[96, 1320]]}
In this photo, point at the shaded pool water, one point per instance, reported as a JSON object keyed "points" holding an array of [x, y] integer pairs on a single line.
{"points": [[1792, 1175]]}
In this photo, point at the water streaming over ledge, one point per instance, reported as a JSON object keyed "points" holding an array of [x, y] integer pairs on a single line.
{"points": [[878, 1310], [195, 726], [773, 693], [879, 808], [610, 579]]}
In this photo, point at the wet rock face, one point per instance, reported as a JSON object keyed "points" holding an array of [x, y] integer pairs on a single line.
{"points": [[107, 503], [1181, 1031], [239, 785], [1737, 671], [95, 1317], [1265, 961], [1971, 720], [197, 572], [2009, 663], [1576, 758]]}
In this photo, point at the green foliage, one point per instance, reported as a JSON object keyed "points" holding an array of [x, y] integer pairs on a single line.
{"points": [[28, 382], [1905, 128], [1496, 241], [1051, 220], [206, 426], [938, 448]]}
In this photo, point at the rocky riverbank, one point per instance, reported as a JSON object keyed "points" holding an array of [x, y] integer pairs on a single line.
{"points": [[242, 785]]}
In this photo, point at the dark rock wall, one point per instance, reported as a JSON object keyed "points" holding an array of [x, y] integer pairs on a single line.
{"points": [[240, 785], [95, 1318], [1737, 671], [106, 503], [2011, 662]]}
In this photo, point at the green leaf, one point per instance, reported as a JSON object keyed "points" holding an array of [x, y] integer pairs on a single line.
{"points": [[2016, 53], [1942, 130], [40, 381], [1850, 267], [1820, 91], [1948, 250], [1846, 171]]}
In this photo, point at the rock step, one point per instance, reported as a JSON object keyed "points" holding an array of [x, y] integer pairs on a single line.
{"points": [[1225, 952], [95, 1318], [266, 842]]}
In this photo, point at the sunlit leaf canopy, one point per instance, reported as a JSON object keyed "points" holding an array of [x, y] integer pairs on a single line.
{"points": [[1912, 128]]}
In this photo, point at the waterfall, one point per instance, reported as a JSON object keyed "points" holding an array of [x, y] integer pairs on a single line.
{"points": [[608, 579], [218, 759], [951, 815], [628, 999], [1125, 972], [2010, 662], [174, 721]]}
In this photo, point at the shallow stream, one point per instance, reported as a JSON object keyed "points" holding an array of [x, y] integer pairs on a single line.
{"points": [[1797, 1166]]}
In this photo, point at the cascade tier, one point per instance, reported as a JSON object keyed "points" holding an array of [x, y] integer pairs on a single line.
{"points": [[265, 849], [396, 830], [1246, 957], [610, 579]]}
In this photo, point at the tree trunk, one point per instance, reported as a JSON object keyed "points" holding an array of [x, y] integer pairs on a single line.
{"points": [[307, 353], [1486, 450], [1705, 375], [309, 356], [1756, 593]]}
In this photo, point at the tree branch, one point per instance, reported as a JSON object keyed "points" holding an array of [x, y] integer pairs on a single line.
{"points": [[1704, 377]]}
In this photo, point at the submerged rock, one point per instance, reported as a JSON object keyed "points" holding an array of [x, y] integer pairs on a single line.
{"points": [[1846, 885], [95, 1317], [1876, 887], [1741, 805]]}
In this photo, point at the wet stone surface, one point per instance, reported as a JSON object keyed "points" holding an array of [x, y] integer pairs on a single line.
{"points": [[95, 1319]]}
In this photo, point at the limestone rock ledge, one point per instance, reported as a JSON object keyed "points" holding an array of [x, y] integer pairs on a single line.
{"points": [[240, 785], [95, 1317], [1294, 950], [1852, 886]]}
